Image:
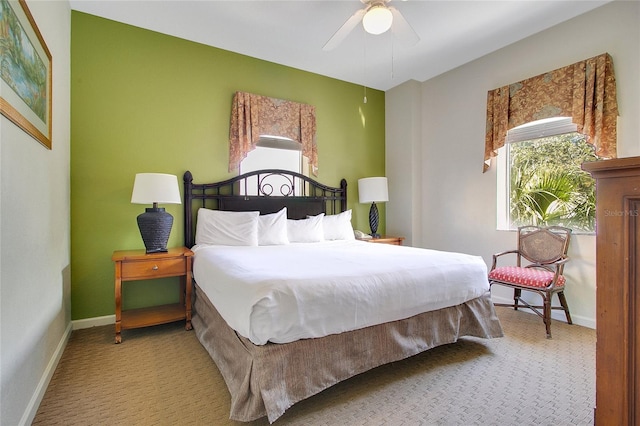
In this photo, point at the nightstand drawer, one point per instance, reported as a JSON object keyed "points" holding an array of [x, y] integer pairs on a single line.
{"points": [[155, 268]]}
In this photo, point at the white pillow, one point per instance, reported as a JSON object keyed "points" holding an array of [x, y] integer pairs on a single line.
{"points": [[272, 228], [307, 230], [338, 226], [225, 228]]}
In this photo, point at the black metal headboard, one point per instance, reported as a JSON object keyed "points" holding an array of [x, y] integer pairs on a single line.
{"points": [[266, 191]]}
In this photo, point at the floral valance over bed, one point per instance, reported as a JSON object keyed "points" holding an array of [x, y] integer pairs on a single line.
{"points": [[254, 115], [584, 91]]}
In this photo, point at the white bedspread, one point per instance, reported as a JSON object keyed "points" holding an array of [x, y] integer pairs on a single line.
{"points": [[288, 292]]}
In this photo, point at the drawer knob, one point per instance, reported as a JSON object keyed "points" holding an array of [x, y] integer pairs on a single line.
{"points": [[155, 267]]}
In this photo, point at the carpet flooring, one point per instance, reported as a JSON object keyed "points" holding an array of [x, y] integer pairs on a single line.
{"points": [[163, 376]]}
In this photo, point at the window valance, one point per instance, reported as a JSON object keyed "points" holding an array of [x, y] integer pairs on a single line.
{"points": [[254, 115], [584, 91]]}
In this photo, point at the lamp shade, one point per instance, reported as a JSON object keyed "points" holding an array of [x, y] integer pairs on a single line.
{"points": [[149, 188], [373, 190], [377, 20]]}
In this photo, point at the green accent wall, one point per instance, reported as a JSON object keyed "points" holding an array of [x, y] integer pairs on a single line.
{"points": [[147, 102]]}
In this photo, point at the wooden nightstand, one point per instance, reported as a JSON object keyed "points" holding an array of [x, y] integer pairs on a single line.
{"points": [[385, 239], [133, 265]]}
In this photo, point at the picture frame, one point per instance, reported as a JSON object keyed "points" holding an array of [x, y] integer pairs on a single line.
{"points": [[25, 72]]}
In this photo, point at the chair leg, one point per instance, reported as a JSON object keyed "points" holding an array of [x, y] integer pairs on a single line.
{"points": [[563, 302], [516, 298], [547, 314]]}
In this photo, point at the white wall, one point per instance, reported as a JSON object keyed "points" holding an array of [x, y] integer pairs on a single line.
{"points": [[34, 237], [458, 201], [403, 155]]}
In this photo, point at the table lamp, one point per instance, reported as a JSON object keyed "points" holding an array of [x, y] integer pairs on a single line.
{"points": [[373, 190], [155, 223]]}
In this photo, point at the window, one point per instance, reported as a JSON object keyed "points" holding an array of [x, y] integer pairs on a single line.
{"points": [[274, 152], [542, 180]]}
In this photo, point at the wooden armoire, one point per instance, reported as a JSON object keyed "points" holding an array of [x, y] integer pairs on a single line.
{"points": [[618, 290]]}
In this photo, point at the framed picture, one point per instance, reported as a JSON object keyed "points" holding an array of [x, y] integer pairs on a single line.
{"points": [[25, 71]]}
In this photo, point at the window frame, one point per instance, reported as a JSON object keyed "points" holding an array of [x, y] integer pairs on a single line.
{"points": [[274, 144], [534, 130]]}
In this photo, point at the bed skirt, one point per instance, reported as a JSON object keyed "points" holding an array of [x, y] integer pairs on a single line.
{"points": [[267, 380]]}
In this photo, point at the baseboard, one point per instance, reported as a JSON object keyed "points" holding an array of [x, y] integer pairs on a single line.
{"points": [[556, 315], [577, 319], [111, 319], [36, 399], [93, 322]]}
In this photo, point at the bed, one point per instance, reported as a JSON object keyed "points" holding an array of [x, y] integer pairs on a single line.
{"points": [[288, 303]]}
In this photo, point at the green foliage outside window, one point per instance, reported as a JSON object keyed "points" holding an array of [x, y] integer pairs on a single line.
{"points": [[547, 185]]}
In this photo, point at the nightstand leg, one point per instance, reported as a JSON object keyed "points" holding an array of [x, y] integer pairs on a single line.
{"points": [[118, 290], [188, 281]]}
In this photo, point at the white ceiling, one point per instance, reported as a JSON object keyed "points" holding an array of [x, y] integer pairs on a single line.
{"points": [[293, 33]]}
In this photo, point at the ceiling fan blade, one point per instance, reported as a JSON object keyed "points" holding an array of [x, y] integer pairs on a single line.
{"points": [[344, 30], [402, 29]]}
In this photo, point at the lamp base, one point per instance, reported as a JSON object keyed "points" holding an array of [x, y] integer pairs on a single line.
{"points": [[373, 220], [155, 226]]}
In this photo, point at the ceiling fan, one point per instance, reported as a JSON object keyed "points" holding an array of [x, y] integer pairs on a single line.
{"points": [[377, 18]]}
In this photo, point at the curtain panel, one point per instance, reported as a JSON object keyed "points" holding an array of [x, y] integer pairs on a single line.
{"points": [[584, 91], [254, 115]]}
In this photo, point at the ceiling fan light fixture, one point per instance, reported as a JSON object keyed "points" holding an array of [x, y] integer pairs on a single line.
{"points": [[377, 20]]}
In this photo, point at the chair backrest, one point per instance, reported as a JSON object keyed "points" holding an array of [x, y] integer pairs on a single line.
{"points": [[543, 245]]}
